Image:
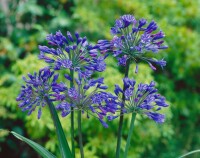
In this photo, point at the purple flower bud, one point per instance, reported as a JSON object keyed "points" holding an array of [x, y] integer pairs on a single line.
{"points": [[102, 87], [128, 93], [68, 77], [39, 113], [142, 22], [72, 92], [70, 36], [55, 78], [152, 67], [159, 118], [67, 49], [65, 113], [134, 30], [103, 123], [77, 35], [110, 118], [158, 35], [127, 20], [118, 90], [122, 60]]}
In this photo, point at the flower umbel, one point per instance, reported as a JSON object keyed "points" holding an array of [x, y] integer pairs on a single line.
{"points": [[144, 100], [72, 53], [37, 87], [89, 96], [133, 40]]}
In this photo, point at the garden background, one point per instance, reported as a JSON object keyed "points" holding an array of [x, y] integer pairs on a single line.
{"points": [[24, 25]]}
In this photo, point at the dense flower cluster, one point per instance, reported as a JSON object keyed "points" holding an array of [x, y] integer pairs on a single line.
{"points": [[72, 53], [38, 86], [144, 100], [89, 96], [132, 40]]}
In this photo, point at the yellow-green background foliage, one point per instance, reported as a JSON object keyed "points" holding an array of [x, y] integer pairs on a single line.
{"points": [[25, 23]]}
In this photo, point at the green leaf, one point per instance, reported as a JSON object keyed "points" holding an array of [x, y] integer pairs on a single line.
{"points": [[62, 142], [41, 150]]}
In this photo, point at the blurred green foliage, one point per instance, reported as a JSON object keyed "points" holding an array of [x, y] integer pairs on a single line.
{"points": [[24, 25]]}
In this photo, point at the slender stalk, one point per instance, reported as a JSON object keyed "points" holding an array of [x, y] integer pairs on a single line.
{"points": [[62, 141], [189, 153], [80, 135], [129, 135], [121, 119], [72, 116]]}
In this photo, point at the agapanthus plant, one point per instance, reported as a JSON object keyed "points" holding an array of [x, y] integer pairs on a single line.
{"points": [[142, 99], [80, 92], [73, 53], [37, 87], [40, 90], [88, 96], [133, 41]]}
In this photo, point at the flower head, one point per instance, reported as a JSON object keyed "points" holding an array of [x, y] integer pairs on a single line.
{"points": [[89, 96], [73, 53], [133, 40], [38, 86], [144, 100]]}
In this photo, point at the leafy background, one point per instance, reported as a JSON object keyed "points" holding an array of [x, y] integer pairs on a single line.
{"points": [[24, 25]]}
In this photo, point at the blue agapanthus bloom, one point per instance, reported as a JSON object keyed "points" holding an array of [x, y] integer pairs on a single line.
{"points": [[37, 87], [88, 96], [143, 100], [134, 40], [75, 53]]}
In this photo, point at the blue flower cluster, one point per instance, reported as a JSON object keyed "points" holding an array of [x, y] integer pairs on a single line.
{"points": [[144, 100], [72, 53], [88, 96], [133, 40], [38, 86]]}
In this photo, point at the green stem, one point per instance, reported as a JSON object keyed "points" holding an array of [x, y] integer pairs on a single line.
{"points": [[121, 119], [129, 135], [80, 135], [189, 153], [72, 116]]}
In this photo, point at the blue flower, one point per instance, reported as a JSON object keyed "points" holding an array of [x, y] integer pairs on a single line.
{"points": [[159, 118], [38, 86], [134, 40], [74, 53], [88, 96], [143, 100]]}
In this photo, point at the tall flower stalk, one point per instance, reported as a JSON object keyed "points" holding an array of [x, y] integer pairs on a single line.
{"points": [[80, 134], [72, 116], [86, 96], [142, 100], [121, 119], [76, 55], [132, 42], [128, 141]]}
